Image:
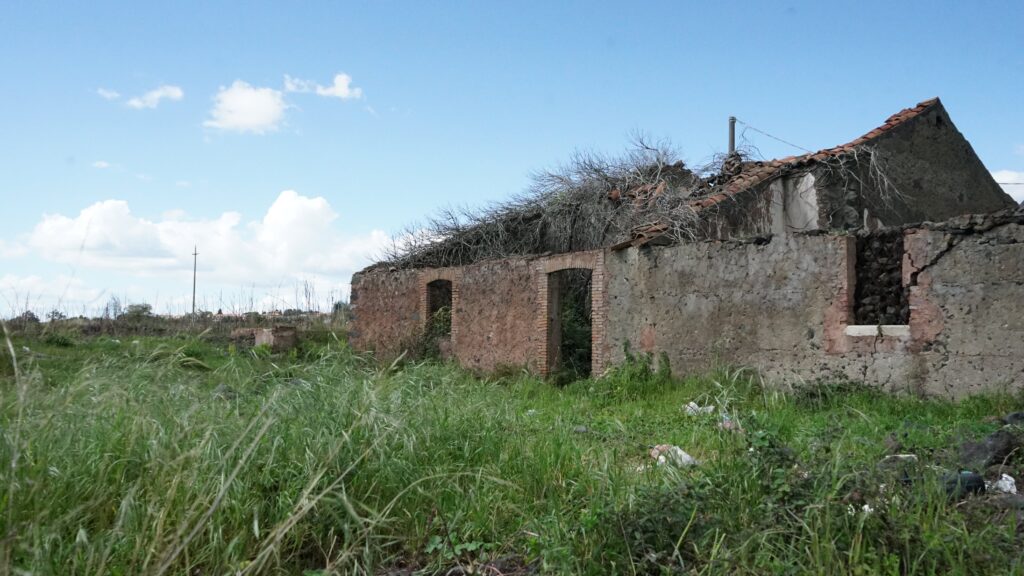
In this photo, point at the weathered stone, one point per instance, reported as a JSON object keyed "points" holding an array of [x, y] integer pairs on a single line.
{"points": [[993, 449], [964, 483], [1008, 501], [243, 336], [1014, 419], [278, 338]]}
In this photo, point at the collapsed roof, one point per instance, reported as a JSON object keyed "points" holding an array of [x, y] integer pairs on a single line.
{"points": [[646, 196]]}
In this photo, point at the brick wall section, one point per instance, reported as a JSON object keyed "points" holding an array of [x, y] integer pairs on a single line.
{"points": [[386, 311], [781, 308], [495, 312], [499, 310]]}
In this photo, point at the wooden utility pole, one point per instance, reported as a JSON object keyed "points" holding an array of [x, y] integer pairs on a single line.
{"points": [[195, 259]]}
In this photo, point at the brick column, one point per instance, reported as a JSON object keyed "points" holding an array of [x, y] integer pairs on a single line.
{"points": [[598, 315], [541, 321]]}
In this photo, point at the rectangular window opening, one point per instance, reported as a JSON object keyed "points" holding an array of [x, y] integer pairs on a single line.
{"points": [[880, 298]]}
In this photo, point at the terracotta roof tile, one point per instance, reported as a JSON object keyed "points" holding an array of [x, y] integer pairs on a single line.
{"points": [[754, 173], [759, 172]]}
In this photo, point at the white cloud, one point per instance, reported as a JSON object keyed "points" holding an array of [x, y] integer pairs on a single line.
{"points": [[101, 164], [11, 250], [296, 238], [298, 85], [244, 108], [265, 263], [63, 292], [108, 94], [152, 98], [1012, 181], [340, 88]]}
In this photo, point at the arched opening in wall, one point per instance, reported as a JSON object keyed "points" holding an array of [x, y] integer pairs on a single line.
{"points": [[439, 309], [570, 324]]}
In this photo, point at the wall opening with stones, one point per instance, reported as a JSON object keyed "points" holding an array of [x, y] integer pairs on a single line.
{"points": [[439, 308], [570, 323], [879, 296]]}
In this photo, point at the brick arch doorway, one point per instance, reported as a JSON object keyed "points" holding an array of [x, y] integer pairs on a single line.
{"points": [[561, 279]]}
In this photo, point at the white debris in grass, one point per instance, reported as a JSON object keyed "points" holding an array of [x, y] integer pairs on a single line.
{"points": [[672, 455], [694, 409], [1006, 485]]}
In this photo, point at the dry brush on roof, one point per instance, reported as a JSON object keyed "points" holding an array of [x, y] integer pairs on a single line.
{"points": [[595, 202], [592, 202]]}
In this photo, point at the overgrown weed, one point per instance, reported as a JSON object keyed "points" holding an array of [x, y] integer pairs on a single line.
{"points": [[127, 459]]}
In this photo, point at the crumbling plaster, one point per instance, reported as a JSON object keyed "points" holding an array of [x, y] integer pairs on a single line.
{"points": [[782, 307]]}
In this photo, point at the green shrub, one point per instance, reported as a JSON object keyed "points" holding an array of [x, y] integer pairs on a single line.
{"points": [[59, 341], [261, 351], [634, 378], [658, 526]]}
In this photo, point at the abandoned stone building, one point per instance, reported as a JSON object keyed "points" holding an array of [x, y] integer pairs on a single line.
{"points": [[895, 260]]}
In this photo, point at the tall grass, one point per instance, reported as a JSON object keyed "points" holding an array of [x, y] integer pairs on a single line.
{"points": [[179, 457]]}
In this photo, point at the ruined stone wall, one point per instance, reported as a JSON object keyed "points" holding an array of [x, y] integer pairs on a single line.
{"points": [[969, 286], [786, 309], [496, 315], [746, 214], [721, 302], [499, 310], [386, 311]]}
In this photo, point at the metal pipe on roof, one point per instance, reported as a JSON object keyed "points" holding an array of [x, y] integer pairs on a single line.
{"points": [[732, 134]]}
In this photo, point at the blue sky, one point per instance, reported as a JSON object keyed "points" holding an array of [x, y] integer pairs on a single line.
{"points": [[289, 140]]}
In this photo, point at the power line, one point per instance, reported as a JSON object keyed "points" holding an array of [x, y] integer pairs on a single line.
{"points": [[775, 137], [798, 147]]}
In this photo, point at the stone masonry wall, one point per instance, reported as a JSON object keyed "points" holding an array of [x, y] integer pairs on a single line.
{"points": [[783, 307], [724, 303], [386, 311], [969, 285], [786, 309], [495, 314]]}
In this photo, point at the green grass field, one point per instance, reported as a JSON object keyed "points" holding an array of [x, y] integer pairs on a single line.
{"points": [[182, 456]]}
